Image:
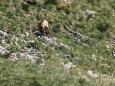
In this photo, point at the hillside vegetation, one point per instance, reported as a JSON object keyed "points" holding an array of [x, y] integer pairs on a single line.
{"points": [[63, 59]]}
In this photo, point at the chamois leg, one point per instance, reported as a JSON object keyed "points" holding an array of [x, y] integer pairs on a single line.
{"points": [[42, 31], [46, 31]]}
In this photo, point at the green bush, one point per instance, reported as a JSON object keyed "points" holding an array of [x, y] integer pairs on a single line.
{"points": [[52, 2], [103, 26], [25, 7]]}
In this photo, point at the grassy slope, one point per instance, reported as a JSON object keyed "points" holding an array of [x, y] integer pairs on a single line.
{"points": [[17, 18]]}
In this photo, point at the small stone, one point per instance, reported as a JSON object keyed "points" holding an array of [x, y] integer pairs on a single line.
{"points": [[88, 12], [3, 33], [90, 73], [68, 65], [113, 53]]}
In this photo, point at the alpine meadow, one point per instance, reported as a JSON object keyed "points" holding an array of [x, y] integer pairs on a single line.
{"points": [[77, 50]]}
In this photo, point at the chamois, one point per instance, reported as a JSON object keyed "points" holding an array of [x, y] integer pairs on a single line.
{"points": [[43, 27]]}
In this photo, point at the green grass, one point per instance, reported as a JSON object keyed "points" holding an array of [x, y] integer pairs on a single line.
{"points": [[17, 17], [25, 73]]}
